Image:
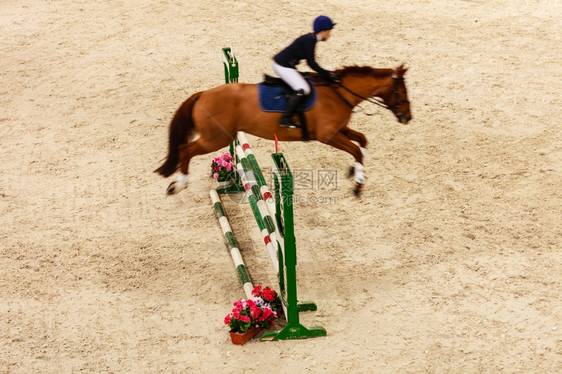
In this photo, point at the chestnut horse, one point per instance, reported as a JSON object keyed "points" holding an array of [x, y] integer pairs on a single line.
{"points": [[217, 114]]}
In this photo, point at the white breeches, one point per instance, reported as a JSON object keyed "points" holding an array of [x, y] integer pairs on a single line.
{"points": [[292, 77]]}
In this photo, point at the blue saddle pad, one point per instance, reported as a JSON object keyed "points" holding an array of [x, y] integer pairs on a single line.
{"points": [[274, 98]]}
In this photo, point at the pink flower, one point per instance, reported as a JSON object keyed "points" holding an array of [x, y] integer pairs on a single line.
{"points": [[267, 312], [221, 166], [256, 312]]}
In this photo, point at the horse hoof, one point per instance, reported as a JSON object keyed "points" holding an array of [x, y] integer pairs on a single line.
{"points": [[357, 189], [177, 185], [171, 190], [350, 172]]}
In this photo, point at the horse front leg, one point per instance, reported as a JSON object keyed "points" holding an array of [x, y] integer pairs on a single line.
{"points": [[362, 140], [355, 136], [341, 141]]}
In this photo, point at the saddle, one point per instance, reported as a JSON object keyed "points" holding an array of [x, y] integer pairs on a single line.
{"points": [[269, 80], [273, 93], [273, 96]]}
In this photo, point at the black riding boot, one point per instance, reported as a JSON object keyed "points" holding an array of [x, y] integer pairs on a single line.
{"points": [[295, 99]]}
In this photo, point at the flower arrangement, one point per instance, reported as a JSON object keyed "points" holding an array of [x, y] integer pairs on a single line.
{"points": [[258, 311], [268, 296], [222, 168]]}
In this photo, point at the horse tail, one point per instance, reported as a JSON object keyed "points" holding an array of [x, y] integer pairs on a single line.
{"points": [[181, 131]]}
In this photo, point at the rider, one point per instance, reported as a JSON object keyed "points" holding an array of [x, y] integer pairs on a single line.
{"points": [[285, 62]]}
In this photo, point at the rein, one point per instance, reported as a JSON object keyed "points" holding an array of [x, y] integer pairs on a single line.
{"points": [[372, 99]]}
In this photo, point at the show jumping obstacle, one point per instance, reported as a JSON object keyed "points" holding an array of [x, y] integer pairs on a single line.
{"points": [[274, 216]]}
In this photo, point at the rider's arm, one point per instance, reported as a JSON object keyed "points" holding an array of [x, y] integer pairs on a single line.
{"points": [[310, 46]]}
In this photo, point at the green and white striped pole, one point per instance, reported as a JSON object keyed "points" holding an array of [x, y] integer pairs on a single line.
{"points": [[232, 244], [259, 209]]}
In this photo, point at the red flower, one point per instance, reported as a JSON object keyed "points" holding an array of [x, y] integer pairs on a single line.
{"points": [[257, 311], [268, 294], [256, 291]]}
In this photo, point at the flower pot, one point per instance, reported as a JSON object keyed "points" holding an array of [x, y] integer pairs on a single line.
{"points": [[279, 311], [241, 338]]}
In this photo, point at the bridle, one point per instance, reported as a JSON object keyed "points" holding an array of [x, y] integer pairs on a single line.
{"points": [[394, 107]]}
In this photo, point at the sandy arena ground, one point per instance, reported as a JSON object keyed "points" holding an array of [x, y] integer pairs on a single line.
{"points": [[451, 262]]}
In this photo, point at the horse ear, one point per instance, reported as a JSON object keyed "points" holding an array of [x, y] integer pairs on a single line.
{"points": [[400, 71]]}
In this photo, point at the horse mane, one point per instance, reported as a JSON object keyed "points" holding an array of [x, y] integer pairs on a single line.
{"points": [[363, 71]]}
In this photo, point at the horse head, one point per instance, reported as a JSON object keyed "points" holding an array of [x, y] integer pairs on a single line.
{"points": [[384, 87], [396, 99]]}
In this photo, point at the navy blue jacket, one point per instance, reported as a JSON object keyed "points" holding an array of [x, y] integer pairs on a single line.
{"points": [[301, 49]]}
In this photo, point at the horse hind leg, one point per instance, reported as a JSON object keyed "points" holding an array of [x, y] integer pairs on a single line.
{"points": [[187, 152]]}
